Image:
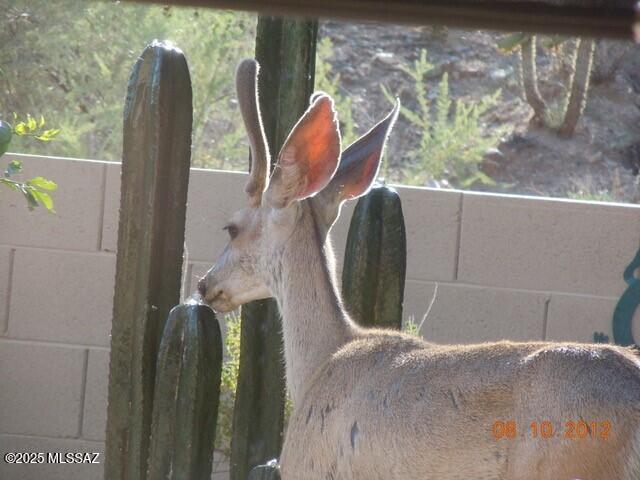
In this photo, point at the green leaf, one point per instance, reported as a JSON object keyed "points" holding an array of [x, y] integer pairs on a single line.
{"points": [[20, 129], [42, 183], [41, 123], [48, 135], [31, 123], [44, 198]]}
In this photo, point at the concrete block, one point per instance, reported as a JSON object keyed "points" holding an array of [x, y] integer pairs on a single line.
{"points": [[467, 314], [6, 263], [42, 389], [45, 471], [577, 317], [218, 475], [545, 244], [213, 196], [220, 469], [62, 296], [77, 201], [94, 420], [431, 220]]}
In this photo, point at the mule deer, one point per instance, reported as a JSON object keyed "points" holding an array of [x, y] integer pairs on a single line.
{"points": [[374, 404]]}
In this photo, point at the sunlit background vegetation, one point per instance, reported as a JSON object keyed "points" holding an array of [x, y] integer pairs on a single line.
{"points": [[466, 121]]}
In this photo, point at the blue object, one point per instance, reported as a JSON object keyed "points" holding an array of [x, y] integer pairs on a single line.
{"points": [[627, 306]]}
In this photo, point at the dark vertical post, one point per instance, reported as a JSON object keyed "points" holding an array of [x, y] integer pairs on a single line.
{"points": [[155, 174], [285, 49]]}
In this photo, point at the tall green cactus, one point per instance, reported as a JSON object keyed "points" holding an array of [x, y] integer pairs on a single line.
{"points": [[285, 49], [375, 260], [156, 156], [187, 391]]}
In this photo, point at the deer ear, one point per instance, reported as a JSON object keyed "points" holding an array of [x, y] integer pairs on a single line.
{"points": [[309, 157], [359, 165]]}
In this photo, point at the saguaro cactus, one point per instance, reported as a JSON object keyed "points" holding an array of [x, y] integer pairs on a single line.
{"points": [[155, 175], [576, 98], [285, 49], [529, 76], [185, 401], [375, 260]]}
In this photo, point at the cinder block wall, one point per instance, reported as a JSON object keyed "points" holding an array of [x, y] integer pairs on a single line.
{"points": [[503, 267]]}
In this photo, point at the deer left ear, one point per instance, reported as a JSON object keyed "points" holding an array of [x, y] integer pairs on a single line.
{"points": [[309, 157]]}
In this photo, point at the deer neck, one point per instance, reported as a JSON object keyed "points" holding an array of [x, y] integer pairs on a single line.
{"points": [[314, 322]]}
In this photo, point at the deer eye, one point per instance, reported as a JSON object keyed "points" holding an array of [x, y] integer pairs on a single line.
{"points": [[232, 230]]}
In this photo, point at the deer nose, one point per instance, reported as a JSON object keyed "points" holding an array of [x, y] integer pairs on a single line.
{"points": [[202, 286]]}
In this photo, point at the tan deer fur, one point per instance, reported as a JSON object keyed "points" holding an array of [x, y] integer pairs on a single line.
{"points": [[374, 404]]}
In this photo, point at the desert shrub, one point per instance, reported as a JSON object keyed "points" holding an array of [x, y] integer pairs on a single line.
{"points": [[82, 83], [453, 137]]}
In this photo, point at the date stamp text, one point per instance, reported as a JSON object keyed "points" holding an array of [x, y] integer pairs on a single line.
{"points": [[569, 430]]}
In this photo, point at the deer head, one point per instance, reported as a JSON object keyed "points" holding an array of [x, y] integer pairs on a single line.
{"points": [[310, 173]]}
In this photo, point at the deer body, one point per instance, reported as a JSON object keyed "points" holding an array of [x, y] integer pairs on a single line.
{"points": [[373, 404], [429, 412]]}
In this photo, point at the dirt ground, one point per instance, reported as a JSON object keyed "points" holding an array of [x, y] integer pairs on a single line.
{"points": [[600, 161]]}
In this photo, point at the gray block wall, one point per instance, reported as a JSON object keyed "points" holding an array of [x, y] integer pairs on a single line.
{"points": [[500, 267]]}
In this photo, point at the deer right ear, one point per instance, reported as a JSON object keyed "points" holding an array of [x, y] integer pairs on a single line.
{"points": [[358, 169]]}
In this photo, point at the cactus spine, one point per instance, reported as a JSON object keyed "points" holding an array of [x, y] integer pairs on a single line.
{"points": [[375, 260], [185, 400]]}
